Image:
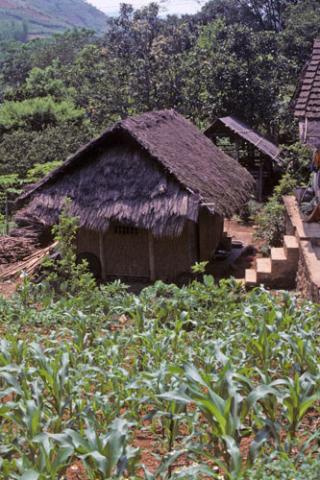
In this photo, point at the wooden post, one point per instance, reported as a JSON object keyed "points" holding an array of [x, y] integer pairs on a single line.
{"points": [[102, 256], [237, 150], [260, 180], [152, 269], [192, 242], [7, 215]]}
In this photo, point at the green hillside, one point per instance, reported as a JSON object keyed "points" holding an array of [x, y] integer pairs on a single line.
{"points": [[29, 19]]}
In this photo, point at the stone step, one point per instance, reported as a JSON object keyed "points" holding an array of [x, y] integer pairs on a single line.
{"points": [[251, 277], [264, 267]]}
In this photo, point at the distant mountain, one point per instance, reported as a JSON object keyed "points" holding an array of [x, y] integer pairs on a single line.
{"points": [[27, 19]]}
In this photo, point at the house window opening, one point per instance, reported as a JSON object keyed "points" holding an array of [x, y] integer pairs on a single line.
{"points": [[124, 230]]}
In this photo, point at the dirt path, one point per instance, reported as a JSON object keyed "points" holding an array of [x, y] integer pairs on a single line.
{"points": [[244, 233]]}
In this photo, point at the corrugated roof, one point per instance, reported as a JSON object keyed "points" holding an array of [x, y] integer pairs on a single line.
{"points": [[308, 94], [249, 134]]}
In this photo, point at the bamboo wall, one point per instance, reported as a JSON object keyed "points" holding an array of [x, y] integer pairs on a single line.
{"points": [[134, 253]]}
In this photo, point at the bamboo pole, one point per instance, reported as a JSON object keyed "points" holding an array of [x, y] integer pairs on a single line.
{"points": [[28, 265], [102, 256], [152, 269]]}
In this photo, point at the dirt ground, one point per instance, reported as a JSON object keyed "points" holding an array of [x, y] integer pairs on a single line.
{"points": [[240, 259], [238, 231], [7, 289]]}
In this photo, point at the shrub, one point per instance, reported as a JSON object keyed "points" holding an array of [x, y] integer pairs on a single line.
{"points": [[270, 219], [285, 469], [40, 170], [67, 276], [296, 159], [270, 223], [37, 113], [249, 211]]}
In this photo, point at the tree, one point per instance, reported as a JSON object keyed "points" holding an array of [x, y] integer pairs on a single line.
{"points": [[21, 149], [10, 187], [241, 73], [258, 14], [37, 113], [302, 26], [40, 170]]}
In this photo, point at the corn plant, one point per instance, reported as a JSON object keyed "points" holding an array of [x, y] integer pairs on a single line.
{"points": [[54, 372], [49, 461], [202, 371], [225, 408], [105, 455], [300, 395]]}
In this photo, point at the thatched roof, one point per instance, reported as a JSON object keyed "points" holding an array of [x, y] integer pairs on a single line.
{"points": [[236, 127], [307, 97], [153, 171]]}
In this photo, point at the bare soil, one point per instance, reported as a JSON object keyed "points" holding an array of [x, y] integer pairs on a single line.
{"points": [[7, 289]]}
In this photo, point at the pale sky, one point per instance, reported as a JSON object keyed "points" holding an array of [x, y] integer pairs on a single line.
{"points": [[169, 6]]}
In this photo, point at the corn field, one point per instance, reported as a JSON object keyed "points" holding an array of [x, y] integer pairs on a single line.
{"points": [[217, 382]]}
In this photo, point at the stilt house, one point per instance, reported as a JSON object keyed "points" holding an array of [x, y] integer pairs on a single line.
{"points": [[151, 194], [256, 153]]}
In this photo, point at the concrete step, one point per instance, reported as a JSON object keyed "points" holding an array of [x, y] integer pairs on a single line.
{"points": [[281, 265], [290, 241], [264, 268], [251, 277], [264, 265], [291, 247], [278, 255]]}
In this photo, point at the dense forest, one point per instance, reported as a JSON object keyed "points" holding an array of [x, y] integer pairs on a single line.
{"points": [[232, 57]]}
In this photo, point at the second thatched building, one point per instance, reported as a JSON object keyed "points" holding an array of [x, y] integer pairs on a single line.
{"points": [[151, 194]]}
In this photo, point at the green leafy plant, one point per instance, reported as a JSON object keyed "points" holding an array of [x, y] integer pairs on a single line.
{"points": [[105, 456], [68, 276], [270, 219]]}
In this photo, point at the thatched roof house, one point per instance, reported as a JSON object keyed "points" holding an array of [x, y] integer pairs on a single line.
{"points": [[307, 100], [151, 193]]}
